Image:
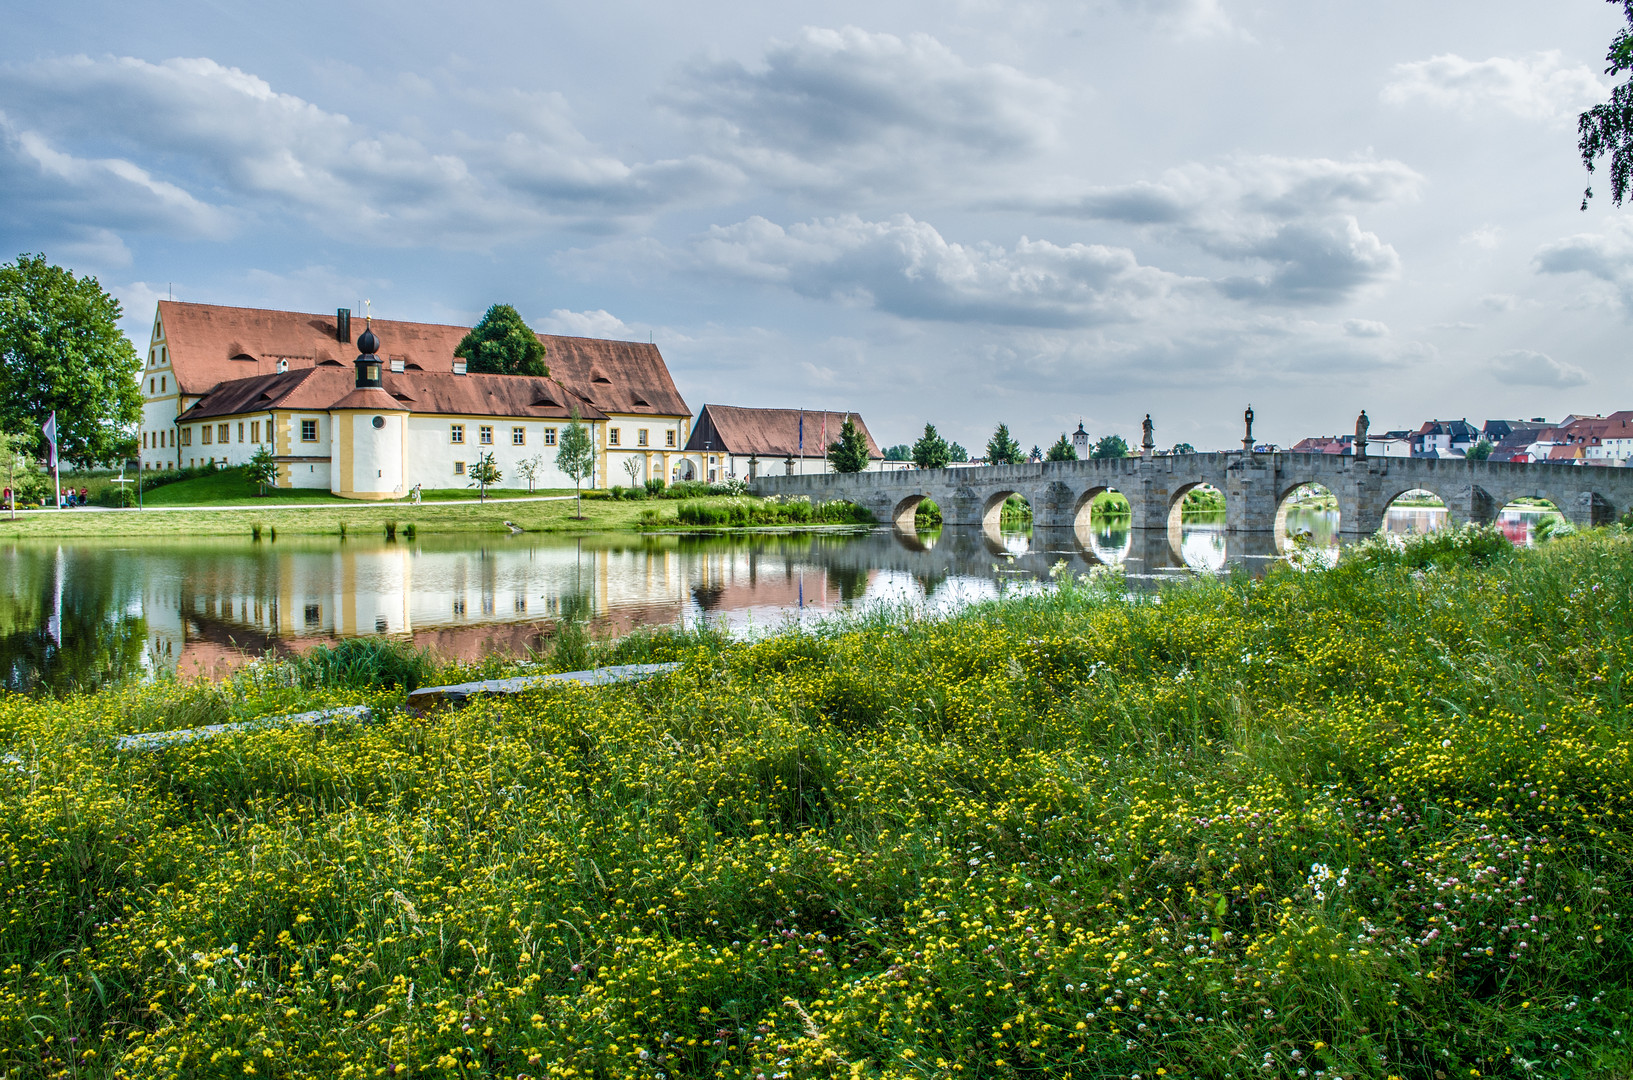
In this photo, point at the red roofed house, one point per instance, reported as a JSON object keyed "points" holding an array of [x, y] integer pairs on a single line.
{"points": [[750, 442], [222, 382]]}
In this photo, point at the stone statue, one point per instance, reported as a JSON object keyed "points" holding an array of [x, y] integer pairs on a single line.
{"points": [[1247, 437], [1149, 440], [1361, 426]]}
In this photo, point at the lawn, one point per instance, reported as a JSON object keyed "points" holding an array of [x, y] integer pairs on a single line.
{"points": [[1370, 821], [228, 487]]}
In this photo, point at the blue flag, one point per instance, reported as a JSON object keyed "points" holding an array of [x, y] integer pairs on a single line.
{"points": [[802, 432]]}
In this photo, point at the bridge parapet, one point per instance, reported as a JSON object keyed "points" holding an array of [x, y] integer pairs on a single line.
{"points": [[1256, 488]]}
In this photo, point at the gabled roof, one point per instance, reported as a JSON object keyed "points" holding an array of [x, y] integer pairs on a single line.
{"points": [[321, 389], [771, 433], [210, 344]]}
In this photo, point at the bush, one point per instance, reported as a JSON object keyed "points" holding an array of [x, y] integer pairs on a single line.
{"points": [[724, 513], [1467, 545], [365, 663], [655, 486]]}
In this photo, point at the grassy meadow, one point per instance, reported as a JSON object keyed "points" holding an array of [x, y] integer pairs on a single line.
{"points": [[1370, 821]]}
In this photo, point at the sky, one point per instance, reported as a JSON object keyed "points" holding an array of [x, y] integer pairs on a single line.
{"points": [[965, 212]]}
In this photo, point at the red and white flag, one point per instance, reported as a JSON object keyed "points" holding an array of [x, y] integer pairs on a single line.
{"points": [[50, 430]]}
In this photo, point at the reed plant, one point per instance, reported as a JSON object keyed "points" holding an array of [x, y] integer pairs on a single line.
{"points": [[1367, 821]]}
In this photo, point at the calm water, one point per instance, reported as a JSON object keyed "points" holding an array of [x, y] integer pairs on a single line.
{"points": [[87, 612]]}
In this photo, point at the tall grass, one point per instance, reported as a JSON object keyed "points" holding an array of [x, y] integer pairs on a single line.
{"points": [[1370, 821]]}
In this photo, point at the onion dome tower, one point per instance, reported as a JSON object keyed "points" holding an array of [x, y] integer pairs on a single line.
{"points": [[368, 363], [370, 432]]}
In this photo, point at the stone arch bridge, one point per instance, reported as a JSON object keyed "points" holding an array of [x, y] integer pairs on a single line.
{"points": [[1257, 487]]}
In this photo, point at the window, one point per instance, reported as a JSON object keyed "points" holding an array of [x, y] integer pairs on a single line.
{"points": [[208, 432], [549, 436], [150, 386], [187, 436], [456, 433], [240, 431], [486, 435], [223, 434], [162, 381], [612, 436], [669, 438], [518, 436], [309, 431], [255, 431], [459, 468], [640, 437]]}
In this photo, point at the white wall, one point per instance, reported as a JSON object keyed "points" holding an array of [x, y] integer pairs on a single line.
{"points": [[430, 452]]}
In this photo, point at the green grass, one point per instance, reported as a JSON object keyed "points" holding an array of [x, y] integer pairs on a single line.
{"points": [[228, 487], [1369, 822]]}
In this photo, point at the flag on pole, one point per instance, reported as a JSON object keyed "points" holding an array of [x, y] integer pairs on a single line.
{"points": [[824, 430], [50, 430], [802, 433]]}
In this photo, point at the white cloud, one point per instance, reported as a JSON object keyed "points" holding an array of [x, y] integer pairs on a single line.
{"points": [[595, 324], [840, 110], [1521, 367], [1188, 18], [222, 129], [1293, 217], [907, 268], [1607, 256], [1486, 237], [1365, 328], [1538, 87]]}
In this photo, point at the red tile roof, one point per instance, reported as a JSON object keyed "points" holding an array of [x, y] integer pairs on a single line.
{"points": [[729, 429], [324, 388], [210, 344]]}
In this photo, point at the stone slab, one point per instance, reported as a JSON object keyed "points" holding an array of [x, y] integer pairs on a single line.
{"points": [[427, 698], [162, 740]]}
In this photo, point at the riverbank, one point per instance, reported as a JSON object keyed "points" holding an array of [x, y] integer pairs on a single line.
{"points": [[1365, 822]]}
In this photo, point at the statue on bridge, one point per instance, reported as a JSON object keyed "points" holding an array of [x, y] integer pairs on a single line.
{"points": [[1148, 442], [1247, 437], [1361, 426]]}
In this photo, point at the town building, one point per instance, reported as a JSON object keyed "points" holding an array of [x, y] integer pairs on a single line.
{"points": [[735, 442], [1325, 444], [222, 382], [1444, 438], [1391, 444]]}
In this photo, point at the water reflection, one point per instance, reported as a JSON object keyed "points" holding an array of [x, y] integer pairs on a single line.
{"points": [[86, 613]]}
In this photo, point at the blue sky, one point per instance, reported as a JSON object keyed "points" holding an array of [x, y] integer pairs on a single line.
{"points": [[962, 212]]}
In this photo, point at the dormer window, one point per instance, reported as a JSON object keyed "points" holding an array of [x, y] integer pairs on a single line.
{"points": [[283, 366]]}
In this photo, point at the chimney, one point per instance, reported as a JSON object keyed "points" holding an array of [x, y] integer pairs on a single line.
{"points": [[343, 324]]}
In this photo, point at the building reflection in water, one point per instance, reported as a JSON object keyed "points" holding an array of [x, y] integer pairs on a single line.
{"points": [[86, 613]]}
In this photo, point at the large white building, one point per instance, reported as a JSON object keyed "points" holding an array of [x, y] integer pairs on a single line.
{"points": [[222, 382]]}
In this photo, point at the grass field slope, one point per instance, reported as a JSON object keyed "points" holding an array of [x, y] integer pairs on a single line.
{"points": [[1370, 821]]}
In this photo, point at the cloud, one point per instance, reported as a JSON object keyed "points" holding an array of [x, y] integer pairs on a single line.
{"points": [[1188, 18], [1486, 237], [1520, 367], [595, 324], [837, 111], [1607, 256], [1294, 217], [1365, 328], [907, 268], [1539, 87], [225, 130]]}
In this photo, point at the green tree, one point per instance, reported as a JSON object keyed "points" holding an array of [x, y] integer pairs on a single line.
{"points": [[848, 453], [262, 469], [1607, 128], [1061, 450], [1183, 448], [530, 468], [1002, 449], [1110, 447], [503, 344], [931, 451], [20, 469], [899, 452], [956, 452], [632, 466], [575, 456], [484, 474], [1480, 451], [61, 351]]}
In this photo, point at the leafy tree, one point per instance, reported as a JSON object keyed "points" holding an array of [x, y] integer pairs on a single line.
{"points": [[848, 453], [1183, 448], [262, 469], [1110, 447], [1002, 449], [21, 470], [1607, 128], [503, 344], [575, 456], [530, 468], [1480, 451], [632, 466], [61, 351], [899, 452], [931, 450], [956, 452], [1062, 450], [484, 473]]}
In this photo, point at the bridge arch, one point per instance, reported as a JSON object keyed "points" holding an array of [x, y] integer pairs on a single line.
{"points": [[1400, 490], [1288, 497], [905, 510], [1176, 515], [992, 511]]}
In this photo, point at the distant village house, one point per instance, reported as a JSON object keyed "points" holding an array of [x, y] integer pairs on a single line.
{"points": [[745, 443]]}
